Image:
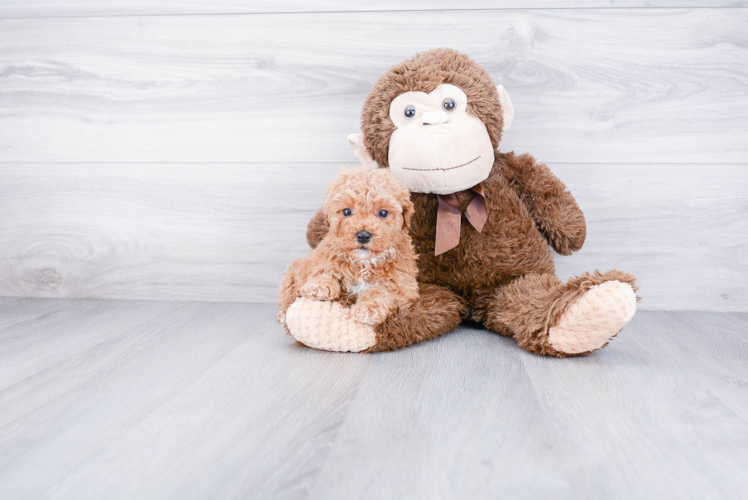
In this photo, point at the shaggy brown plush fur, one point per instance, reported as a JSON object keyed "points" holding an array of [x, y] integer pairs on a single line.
{"points": [[377, 277], [504, 276], [436, 312], [529, 306], [423, 73]]}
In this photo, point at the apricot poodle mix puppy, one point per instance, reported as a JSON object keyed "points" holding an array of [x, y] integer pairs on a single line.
{"points": [[366, 260]]}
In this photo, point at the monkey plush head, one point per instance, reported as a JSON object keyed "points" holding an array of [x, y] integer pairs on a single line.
{"points": [[435, 120]]}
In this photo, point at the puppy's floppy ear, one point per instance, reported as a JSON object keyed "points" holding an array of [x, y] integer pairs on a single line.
{"points": [[401, 194], [335, 186], [404, 199]]}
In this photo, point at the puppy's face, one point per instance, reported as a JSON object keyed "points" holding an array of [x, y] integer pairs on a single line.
{"points": [[367, 210]]}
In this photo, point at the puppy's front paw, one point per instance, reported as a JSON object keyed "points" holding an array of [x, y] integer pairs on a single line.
{"points": [[318, 291], [369, 314], [281, 317]]}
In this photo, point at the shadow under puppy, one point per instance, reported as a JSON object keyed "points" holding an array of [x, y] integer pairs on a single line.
{"points": [[366, 260]]}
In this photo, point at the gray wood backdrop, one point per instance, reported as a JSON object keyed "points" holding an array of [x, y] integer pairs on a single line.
{"points": [[176, 150]]}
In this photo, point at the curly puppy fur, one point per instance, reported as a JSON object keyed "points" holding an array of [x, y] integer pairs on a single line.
{"points": [[376, 277], [504, 276]]}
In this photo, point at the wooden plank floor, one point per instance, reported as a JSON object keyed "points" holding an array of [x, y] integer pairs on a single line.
{"points": [[137, 399]]}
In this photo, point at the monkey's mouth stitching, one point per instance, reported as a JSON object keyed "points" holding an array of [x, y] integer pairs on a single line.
{"points": [[450, 168]]}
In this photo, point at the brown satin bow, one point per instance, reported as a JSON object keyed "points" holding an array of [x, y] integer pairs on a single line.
{"points": [[448, 218]]}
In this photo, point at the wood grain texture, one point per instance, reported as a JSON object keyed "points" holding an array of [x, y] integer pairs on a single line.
{"points": [[55, 8], [123, 410], [226, 232], [624, 86], [128, 399], [206, 232], [471, 416], [681, 229]]}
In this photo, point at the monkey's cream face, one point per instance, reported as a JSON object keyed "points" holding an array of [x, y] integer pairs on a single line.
{"points": [[438, 147]]}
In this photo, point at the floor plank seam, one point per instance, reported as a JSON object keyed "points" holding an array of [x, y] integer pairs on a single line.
{"points": [[387, 11]]}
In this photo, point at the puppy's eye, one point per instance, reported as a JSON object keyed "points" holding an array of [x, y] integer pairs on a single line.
{"points": [[383, 213], [347, 212], [448, 104], [410, 112]]}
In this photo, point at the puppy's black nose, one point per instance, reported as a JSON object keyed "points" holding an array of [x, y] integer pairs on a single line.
{"points": [[363, 237]]}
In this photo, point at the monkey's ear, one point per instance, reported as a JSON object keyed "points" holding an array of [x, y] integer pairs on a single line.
{"points": [[356, 142], [506, 106]]}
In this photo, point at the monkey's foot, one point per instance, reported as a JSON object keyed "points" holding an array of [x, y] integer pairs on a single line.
{"points": [[594, 318], [328, 326]]}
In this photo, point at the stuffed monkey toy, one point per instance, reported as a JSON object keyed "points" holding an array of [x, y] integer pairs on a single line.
{"points": [[482, 225]]}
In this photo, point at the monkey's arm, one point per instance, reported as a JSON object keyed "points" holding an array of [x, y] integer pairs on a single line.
{"points": [[317, 229], [551, 205]]}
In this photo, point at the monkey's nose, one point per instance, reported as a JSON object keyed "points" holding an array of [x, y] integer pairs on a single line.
{"points": [[363, 237], [434, 117]]}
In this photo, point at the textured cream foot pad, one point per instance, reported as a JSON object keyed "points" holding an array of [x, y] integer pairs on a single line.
{"points": [[594, 318], [328, 326]]}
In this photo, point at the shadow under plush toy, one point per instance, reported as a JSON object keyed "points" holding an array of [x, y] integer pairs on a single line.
{"points": [[482, 222]]}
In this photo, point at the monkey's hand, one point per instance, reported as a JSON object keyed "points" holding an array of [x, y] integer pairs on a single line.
{"points": [[321, 287], [551, 205]]}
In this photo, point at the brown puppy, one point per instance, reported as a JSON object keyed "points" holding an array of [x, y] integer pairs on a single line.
{"points": [[366, 259]]}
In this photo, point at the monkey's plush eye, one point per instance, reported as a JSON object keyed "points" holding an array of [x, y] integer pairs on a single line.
{"points": [[448, 104], [410, 112], [347, 212], [383, 213]]}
